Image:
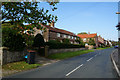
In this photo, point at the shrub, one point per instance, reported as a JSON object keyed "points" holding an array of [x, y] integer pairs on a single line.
{"points": [[15, 42], [11, 38], [66, 41], [91, 42], [53, 44]]}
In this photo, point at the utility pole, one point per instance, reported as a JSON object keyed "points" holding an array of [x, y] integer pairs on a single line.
{"points": [[118, 26]]}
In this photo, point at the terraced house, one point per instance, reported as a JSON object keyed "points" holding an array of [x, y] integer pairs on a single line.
{"points": [[53, 33]]}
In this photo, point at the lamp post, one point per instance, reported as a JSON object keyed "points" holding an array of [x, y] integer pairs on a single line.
{"points": [[118, 26]]}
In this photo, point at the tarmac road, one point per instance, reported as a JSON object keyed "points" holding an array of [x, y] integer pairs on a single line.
{"points": [[92, 65]]}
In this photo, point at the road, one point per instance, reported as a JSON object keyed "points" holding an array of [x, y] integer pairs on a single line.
{"points": [[92, 65]]}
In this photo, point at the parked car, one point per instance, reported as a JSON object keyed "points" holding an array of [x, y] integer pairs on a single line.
{"points": [[116, 46]]}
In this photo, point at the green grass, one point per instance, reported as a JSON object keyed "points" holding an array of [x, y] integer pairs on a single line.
{"points": [[103, 48], [20, 66], [68, 54]]}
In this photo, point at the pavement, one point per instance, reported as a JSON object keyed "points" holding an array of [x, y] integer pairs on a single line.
{"points": [[38, 60], [114, 58], [115, 55], [92, 65]]}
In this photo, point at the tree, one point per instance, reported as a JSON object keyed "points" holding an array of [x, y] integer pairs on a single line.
{"points": [[82, 33], [91, 42], [79, 40], [11, 39], [18, 13]]}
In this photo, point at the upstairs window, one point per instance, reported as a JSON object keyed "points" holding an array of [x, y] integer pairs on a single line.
{"points": [[69, 37], [58, 34], [72, 37], [65, 36]]}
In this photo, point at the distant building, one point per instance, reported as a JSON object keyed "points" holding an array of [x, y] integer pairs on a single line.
{"points": [[86, 37]]}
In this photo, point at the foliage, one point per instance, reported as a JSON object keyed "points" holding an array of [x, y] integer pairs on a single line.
{"points": [[53, 44], [27, 12], [114, 43], [66, 41], [68, 54], [91, 42], [38, 41], [18, 13], [80, 41], [82, 33], [118, 26], [12, 39]]}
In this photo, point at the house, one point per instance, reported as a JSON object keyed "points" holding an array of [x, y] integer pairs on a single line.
{"points": [[87, 37], [100, 41], [53, 33], [97, 39]]}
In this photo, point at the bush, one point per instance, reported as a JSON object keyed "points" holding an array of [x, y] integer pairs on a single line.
{"points": [[11, 38], [57, 45], [66, 41]]}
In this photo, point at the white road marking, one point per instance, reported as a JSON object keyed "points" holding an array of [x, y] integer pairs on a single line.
{"points": [[96, 55], [74, 70], [89, 59]]}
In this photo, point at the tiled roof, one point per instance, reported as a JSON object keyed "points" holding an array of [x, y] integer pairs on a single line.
{"points": [[60, 30], [87, 35]]}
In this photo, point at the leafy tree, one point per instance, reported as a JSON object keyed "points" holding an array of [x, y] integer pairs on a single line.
{"points": [[91, 42], [79, 40], [82, 33], [11, 39], [18, 13]]}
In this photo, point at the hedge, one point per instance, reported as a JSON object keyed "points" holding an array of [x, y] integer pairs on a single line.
{"points": [[58, 45]]}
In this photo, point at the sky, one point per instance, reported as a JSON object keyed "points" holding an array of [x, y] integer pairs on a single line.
{"points": [[93, 17]]}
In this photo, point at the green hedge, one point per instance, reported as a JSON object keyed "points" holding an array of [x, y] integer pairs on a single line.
{"points": [[58, 45]]}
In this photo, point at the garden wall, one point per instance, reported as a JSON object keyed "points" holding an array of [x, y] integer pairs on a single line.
{"points": [[54, 51], [8, 56]]}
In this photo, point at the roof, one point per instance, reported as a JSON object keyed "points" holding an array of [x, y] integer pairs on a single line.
{"points": [[60, 30], [87, 35]]}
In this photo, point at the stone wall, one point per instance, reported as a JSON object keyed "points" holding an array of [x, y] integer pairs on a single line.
{"points": [[8, 56], [54, 51]]}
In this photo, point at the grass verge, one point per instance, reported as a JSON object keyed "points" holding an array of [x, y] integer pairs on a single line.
{"points": [[68, 54], [103, 48], [19, 66]]}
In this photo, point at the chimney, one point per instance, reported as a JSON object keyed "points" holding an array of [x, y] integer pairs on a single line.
{"points": [[52, 24]]}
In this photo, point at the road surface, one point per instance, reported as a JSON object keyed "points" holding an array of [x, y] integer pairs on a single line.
{"points": [[92, 65]]}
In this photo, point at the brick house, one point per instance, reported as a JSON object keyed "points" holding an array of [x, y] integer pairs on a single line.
{"points": [[86, 37], [53, 33]]}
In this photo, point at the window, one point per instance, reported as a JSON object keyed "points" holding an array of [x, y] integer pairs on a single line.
{"points": [[58, 34], [69, 37], [84, 39], [72, 37], [75, 38], [64, 36]]}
